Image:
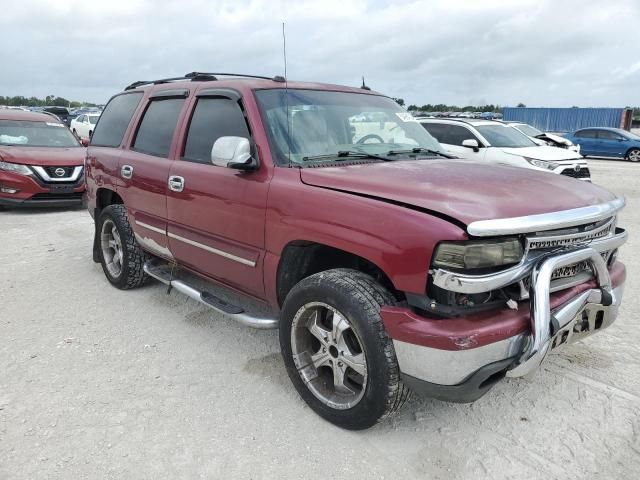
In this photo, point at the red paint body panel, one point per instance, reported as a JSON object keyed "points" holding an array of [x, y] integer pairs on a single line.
{"points": [[475, 330], [462, 189]]}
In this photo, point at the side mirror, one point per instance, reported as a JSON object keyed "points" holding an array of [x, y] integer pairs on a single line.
{"points": [[233, 152], [471, 143], [85, 142]]}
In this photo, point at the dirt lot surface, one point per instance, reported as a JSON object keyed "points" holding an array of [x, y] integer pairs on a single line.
{"points": [[99, 383]]}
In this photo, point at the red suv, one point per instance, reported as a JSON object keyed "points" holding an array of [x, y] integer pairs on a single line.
{"points": [[386, 264], [41, 162]]}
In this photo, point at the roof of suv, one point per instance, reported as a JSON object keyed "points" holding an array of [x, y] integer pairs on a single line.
{"points": [[6, 114], [243, 82]]}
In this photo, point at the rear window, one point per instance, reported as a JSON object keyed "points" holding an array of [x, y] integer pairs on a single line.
{"points": [[115, 120], [158, 124]]}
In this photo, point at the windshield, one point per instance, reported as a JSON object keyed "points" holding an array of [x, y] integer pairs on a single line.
{"points": [[93, 119], [504, 137], [529, 130], [323, 123], [35, 134]]}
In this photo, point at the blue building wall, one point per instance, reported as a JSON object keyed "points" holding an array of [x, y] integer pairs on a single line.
{"points": [[564, 119]]}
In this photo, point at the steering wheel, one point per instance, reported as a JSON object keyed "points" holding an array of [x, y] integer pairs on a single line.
{"points": [[371, 136]]}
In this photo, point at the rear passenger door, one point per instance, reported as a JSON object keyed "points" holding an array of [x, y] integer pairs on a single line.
{"points": [[216, 220], [144, 170]]}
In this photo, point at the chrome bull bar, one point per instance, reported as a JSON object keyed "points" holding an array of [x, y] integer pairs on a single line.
{"points": [[549, 328]]}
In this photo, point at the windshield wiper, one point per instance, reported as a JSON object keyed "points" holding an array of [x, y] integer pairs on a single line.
{"points": [[421, 150], [343, 155]]}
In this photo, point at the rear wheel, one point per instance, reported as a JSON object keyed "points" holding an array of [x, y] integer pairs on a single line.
{"points": [[336, 349], [121, 258], [633, 155]]}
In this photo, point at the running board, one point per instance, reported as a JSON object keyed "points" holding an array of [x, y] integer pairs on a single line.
{"points": [[162, 272]]}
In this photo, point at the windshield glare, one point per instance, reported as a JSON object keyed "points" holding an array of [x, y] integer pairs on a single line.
{"points": [[323, 123], [504, 136], [529, 130], [35, 134]]}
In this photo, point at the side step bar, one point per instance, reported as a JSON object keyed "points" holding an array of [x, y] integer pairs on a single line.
{"points": [[162, 272]]}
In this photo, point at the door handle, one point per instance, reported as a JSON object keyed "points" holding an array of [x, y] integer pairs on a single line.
{"points": [[126, 171], [176, 183]]}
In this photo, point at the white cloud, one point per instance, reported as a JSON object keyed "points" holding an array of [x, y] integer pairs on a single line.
{"points": [[540, 52]]}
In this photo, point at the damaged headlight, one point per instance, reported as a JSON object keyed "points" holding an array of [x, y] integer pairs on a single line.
{"points": [[480, 254], [542, 163]]}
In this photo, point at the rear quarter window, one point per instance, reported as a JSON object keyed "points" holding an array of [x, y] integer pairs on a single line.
{"points": [[115, 119]]}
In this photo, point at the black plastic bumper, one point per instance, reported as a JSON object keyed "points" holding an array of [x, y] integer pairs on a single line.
{"points": [[42, 202], [474, 387]]}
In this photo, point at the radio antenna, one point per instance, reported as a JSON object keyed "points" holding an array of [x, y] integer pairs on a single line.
{"points": [[286, 90]]}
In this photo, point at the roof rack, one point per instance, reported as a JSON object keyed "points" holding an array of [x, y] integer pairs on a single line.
{"points": [[201, 77]]}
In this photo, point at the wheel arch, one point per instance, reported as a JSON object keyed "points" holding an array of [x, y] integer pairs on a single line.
{"points": [[104, 198], [303, 258]]}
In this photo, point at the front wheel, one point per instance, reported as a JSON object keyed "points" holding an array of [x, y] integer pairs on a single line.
{"points": [[121, 258], [336, 349], [633, 155]]}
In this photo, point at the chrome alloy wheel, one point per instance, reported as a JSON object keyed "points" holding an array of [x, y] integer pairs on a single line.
{"points": [[111, 248], [328, 355], [634, 155]]}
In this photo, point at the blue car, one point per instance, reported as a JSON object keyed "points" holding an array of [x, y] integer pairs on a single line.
{"points": [[607, 142]]}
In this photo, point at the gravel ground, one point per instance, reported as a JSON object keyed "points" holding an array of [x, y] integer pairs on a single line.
{"points": [[99, 383]]}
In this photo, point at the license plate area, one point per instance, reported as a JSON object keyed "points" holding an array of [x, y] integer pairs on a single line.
{"points": [[61, 189], [588, 321]]}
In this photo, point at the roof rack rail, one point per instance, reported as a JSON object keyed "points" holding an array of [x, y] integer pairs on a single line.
{"points": [[277, 78], [199, 77]]}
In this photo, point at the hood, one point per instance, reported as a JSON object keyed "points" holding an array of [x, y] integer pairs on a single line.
{"points": [[544, 152], [43, 156], [460, 189], [556, 138]]}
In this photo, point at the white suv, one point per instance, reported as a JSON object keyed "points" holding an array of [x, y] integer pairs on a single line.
{"points": [[486, 140]]}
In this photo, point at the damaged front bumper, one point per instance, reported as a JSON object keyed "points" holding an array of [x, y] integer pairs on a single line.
{"points": [[459, 359]]}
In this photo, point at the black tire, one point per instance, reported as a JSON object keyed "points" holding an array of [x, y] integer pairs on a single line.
{"points": [[358, 297], [633, 155], [132, 273]]}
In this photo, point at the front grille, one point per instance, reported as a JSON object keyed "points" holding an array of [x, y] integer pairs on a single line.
{"points": [[582, 173], [53, 172]]}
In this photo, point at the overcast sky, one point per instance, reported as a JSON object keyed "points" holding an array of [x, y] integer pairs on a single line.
{"points": [[540, 52]]}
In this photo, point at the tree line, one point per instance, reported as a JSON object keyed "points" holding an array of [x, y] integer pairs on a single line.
{"points": [[441, 107], [20, 101]]}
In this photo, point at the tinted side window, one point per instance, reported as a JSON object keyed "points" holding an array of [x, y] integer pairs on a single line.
{"points": [[213, 118], [586, 134], [458, 134], [115, 120], [437, 131], [157, 126], [607, 135]]}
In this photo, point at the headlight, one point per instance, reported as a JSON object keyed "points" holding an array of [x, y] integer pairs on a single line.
{"points": [[470, 255], [542, 163], [15, 168]]}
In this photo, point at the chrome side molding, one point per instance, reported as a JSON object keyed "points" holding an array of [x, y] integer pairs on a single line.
{"points": [[546, 221]]}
